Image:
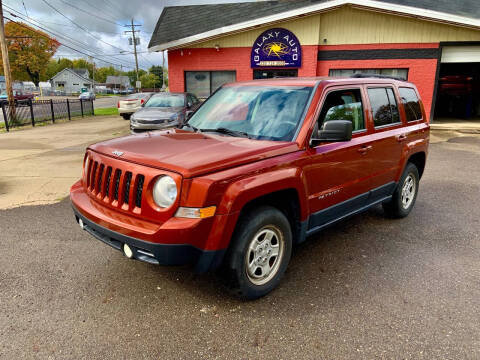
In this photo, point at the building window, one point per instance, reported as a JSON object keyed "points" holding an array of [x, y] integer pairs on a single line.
{"points": [[398, 73], [203, 83], [410, 104], [384, 106]]}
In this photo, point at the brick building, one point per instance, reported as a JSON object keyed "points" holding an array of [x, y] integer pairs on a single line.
{"points": [[432, 43]]}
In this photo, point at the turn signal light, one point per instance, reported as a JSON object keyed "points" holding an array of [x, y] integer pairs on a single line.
{"points": [[196, 213]]}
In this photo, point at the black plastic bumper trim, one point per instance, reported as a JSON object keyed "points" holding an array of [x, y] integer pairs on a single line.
{"points": [[163, 254]]}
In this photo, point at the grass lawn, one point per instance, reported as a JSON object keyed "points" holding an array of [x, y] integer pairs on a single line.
{"points": [[107, 111]]}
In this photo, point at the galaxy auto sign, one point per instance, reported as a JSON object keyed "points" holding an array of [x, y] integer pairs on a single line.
{"points": [[276, 48]]}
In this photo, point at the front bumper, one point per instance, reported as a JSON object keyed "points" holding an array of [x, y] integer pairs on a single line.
{"points": [[154, 253]]}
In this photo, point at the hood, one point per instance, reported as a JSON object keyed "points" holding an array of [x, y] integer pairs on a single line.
{"points": [[192, 154], [156, 113]]}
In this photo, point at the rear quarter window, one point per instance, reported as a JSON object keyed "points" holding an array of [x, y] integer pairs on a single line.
{"points": [[410, 103]]}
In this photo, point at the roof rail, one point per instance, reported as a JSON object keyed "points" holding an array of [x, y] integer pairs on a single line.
{"points": [[376, 76]]}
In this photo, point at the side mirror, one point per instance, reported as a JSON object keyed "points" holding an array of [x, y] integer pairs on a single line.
{"points": [[333, 131], [188, 114]]}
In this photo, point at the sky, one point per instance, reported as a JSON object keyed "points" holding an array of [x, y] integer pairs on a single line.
{"points": [[96, 27]]}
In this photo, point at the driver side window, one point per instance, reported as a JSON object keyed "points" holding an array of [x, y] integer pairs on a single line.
{"points": [[345, 104]]}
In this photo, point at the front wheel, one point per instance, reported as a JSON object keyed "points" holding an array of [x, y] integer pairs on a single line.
{"points": [[403, 199], [260, 252]]}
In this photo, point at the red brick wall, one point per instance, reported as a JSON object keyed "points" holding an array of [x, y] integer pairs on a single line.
{"points": [[421, 72], [237, 59]]}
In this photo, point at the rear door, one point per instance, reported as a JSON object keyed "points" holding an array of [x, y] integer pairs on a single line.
{"points": [[387, 139], [338, 173]]}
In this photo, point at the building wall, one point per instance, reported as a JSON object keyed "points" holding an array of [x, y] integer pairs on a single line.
{"points": [[348, 25]]}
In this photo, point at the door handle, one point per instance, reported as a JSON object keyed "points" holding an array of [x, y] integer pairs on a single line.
{"points": [[364, 149], [401, 137]]}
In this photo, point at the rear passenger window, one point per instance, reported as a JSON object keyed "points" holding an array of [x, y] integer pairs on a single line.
{"points": [[384, 106], [344, 105], [410, 104]]}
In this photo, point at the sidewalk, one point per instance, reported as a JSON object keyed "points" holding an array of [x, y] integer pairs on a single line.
{"points": [[467, 126], [38, 165]]}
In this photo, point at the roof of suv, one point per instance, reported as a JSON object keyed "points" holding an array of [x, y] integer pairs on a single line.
{"points": [[312, 81]]}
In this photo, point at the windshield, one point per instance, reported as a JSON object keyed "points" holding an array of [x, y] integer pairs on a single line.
{"points": [[261, 112], [166, 101]]}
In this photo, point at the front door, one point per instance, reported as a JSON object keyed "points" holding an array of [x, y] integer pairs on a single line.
{"points": [[338, 173], [274, 73]]}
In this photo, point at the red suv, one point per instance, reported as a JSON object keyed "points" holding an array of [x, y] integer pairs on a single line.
{"points": [[259, 167]]}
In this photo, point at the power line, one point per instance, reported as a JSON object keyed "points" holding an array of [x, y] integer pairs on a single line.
{"points": [[84, 46], [79, 26], [67, 46], [91, 14]]}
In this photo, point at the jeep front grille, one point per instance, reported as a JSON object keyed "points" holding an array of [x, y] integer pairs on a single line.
{"points": [[125, 187]]}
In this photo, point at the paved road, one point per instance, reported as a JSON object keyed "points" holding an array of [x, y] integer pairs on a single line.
{"points": [[367, 288]]}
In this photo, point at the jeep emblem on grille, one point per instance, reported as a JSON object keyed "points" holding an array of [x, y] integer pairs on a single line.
{"points": [[118, 153]]}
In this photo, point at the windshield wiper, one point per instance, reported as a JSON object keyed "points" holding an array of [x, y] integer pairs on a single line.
{"points": [[191, 127], [222, 130]]}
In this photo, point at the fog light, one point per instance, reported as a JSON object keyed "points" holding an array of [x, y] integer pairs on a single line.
{"points": [[127, 251], [80, 222]]}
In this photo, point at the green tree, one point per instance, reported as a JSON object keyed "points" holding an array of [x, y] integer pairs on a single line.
{"points": [[149, 80], [54, 67], [157, 71], [133, 77]]}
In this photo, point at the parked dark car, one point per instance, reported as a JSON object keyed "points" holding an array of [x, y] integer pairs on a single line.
{"points": [[163, 110], [18, 95]]}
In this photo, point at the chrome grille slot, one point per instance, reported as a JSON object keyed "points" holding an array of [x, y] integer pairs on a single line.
{"points": [[139, 190], [107, 181], [126, 188], [116, 181]]}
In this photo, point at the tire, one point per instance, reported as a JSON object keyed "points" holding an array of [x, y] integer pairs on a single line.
{"points": [[126, 116], [405, 194], [259, 234]]}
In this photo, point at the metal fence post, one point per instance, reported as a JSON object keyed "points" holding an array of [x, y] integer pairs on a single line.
{"points": [[81, 106], [68, 110], [31, 112], [51, 108], [93, 110], [5, 117]]}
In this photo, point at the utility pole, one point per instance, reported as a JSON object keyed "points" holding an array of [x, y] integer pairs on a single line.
{"points": [[6, 64], [93, 73], [134, 42]]}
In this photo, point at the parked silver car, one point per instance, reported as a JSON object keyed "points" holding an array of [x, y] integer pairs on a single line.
{"points": [[163, 110], [87, 96]]}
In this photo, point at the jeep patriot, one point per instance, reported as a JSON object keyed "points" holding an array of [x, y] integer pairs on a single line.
{"points": [[256, 169]]}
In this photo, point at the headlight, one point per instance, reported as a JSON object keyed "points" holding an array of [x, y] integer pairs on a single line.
{"points": [[165, 191]]}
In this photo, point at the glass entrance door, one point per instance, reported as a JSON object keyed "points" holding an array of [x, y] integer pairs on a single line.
{"points": [[274, 73]]}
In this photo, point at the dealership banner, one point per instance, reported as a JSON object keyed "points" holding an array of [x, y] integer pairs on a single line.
{"points": [[276, 48]]}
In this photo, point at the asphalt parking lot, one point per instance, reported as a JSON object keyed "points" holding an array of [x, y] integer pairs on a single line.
{"points": [[369, 287]]}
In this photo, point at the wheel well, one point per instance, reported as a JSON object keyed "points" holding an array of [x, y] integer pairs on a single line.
{"points": [[286, 201], [418, 159]]}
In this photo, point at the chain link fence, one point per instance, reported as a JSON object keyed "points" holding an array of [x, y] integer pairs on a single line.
{"points": [[31, 112]]}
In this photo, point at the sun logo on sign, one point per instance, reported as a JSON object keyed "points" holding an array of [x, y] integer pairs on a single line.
{"points": [[276, 49]]}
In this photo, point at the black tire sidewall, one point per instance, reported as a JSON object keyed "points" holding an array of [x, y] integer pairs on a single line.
{"points": [[401, 211], [246, 229]]}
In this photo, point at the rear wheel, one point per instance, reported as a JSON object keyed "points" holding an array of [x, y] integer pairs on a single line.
{"points": [[126, 116], [404, 197], [259, 253]]}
